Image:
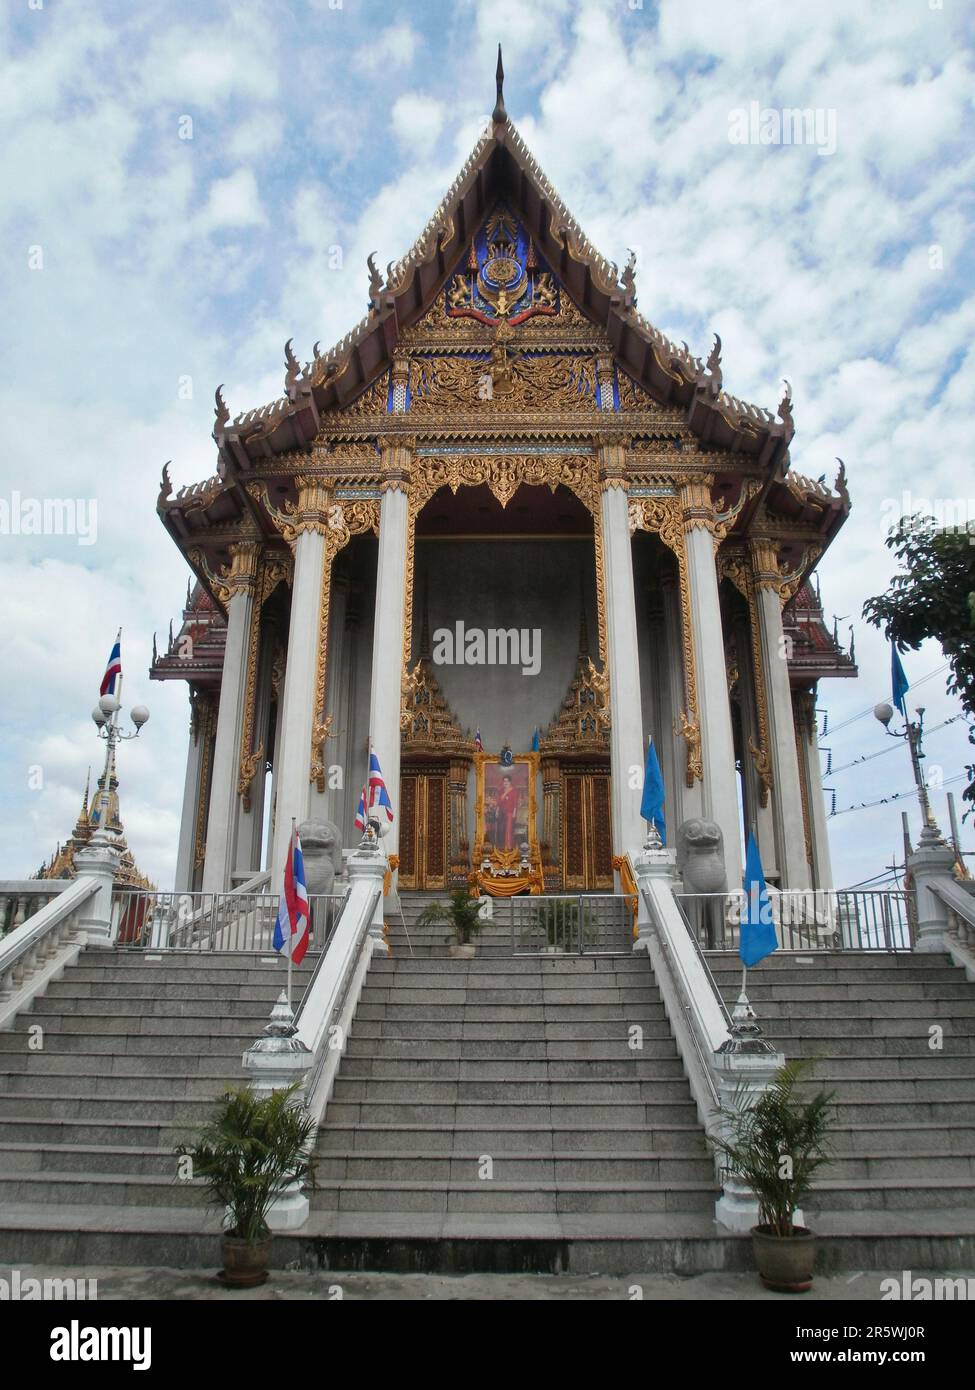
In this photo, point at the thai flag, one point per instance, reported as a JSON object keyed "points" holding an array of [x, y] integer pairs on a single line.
{"points": [[291, 927], [374, 800], [113, 669], [478, 743]]}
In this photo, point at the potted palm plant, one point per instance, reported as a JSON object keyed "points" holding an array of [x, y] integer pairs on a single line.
{"points": [[774, 1145], [464, 915], [253, 1149]]}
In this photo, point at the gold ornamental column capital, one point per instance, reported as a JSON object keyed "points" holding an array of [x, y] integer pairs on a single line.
{"points": [[240, 576], [612, 461], [397, 463], [696, 505], [314, 500], [766, 571]]}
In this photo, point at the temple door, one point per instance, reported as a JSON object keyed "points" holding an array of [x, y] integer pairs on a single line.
{"points": [[587, 834], [423, 829]]}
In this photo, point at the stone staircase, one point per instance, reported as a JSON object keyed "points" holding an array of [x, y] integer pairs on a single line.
{"points": [[904, 1137], [135, 1049], [491, 1113]]}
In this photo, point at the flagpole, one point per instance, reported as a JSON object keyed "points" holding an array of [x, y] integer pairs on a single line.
{"points": [[291, 936]]}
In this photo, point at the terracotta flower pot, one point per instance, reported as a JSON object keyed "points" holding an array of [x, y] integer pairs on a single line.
{"points": [[785, 1262], [245, 1262]]}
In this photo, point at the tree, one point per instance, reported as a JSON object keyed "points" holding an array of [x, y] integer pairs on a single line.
{"points": [[934, 596]]}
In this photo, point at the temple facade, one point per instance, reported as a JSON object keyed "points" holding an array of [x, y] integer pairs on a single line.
{"points": [[502, 533]]}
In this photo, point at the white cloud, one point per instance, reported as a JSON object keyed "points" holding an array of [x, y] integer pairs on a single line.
{"points": [[417, 120], [233, 202]]}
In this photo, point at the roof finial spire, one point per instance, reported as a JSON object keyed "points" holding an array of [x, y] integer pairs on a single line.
{"points": [[499, 115]]}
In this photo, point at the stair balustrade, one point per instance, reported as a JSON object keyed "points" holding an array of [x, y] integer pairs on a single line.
{"points": [[39, 946], [844, 919]]}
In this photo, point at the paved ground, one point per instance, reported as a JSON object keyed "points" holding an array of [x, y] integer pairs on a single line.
{"points": [[115, 1283]]}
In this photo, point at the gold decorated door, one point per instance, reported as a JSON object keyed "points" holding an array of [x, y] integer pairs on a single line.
{"points": [[587, 834], [423, 829]]}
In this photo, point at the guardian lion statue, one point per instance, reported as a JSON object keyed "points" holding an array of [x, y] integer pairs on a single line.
{"points": [[700, 863], [321, 848]]}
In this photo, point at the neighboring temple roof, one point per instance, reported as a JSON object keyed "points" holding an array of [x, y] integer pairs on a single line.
{"points": [[195, 653], [816, 652], [61, 863]]}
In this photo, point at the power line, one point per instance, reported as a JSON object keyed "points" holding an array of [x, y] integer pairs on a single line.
{"points": [[868, 757], [895, 796], [863, 714]]}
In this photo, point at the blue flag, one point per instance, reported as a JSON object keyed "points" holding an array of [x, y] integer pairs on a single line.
{"points": [[757, 937], [652, 805], [535, 741], [899, 683]]}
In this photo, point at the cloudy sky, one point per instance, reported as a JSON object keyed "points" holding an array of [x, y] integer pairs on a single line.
{"points": [[141, 267]]}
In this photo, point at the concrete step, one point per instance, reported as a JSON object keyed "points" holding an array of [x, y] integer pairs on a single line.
{"points": [[579, 1030], [133, 1104], [488, 1115], [39, 1084], [514, 1089], [510, 1013], [40, 1130], [896, 1194], [918, 1139], [541, 1170], [103, 995], [95, 1064], [729, 962], [465, 1139], [112, 1189], [249, 1012], [906, 1090], [636, 1067], [540, 966], [108, 1159], [155, 1044], [497, 1197]]}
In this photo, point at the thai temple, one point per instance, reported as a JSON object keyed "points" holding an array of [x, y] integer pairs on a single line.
{"points": [[498, 542]]}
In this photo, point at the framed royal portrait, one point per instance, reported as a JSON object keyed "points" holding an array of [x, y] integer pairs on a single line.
{"points": [[506, 806]]}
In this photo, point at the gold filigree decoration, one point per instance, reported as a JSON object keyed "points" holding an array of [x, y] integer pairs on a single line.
{"points": [[345, 520], [547, 382], [277, 569], [583, 721], [207, 727], [321, 731], [432, 725], [664, 516], [724, 521], [734, 565], [250, 758]]}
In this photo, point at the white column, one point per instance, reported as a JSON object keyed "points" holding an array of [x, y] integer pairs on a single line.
{"points": [[626, 741], [186, 851], [251, 823], [324, 804], [812, 772], [292, 756], [222, 818], [755, 813], [786, 787], [720, 783], [387, 643], [687, 800]]}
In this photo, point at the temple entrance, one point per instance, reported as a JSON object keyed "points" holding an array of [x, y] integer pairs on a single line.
{"points": [[587, 834], [423, 858]]}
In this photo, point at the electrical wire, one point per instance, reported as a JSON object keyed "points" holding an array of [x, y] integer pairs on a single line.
{"points": [[868, 757], [863, 714], [896, 796]]}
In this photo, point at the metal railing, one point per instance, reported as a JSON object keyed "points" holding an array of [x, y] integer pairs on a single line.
{"points": [[580, 924], [815, 920], [213, 921]]}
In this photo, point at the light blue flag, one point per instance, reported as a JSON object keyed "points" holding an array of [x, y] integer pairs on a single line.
{"points": [[652, 805], [757, 937], [899, 683], [535, 741]]}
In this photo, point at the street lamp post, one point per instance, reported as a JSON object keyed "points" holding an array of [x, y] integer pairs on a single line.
{"points": [[106, 715], [931, 863], [913, 732]]}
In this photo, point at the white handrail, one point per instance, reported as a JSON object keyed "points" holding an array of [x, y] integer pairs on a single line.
{"points": [[26, 938]]}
